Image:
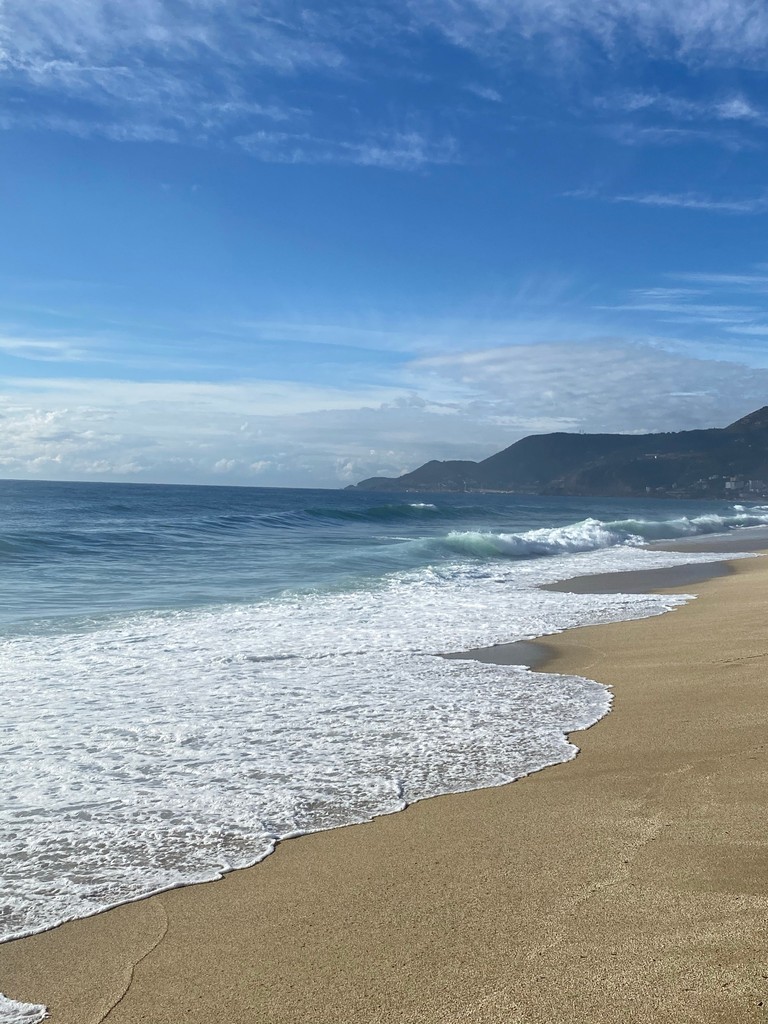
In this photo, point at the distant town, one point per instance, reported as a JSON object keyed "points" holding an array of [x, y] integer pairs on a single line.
{"points": [[714, 487]]}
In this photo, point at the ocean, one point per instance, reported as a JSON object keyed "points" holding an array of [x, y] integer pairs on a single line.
{"points": [[190, 674]]}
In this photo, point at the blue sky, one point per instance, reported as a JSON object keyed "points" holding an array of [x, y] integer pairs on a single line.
{"points": [[301, 244]]}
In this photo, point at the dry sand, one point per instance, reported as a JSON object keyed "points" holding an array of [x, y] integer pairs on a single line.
{"points": [[630, 885]]}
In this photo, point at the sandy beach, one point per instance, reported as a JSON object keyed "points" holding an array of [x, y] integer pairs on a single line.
{"points": [[630, 885]]}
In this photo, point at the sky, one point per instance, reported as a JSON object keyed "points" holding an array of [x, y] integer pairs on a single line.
{"points": [[298, 244]]}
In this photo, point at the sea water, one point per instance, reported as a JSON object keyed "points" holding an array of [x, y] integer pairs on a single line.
{"points": [[190, 674]]}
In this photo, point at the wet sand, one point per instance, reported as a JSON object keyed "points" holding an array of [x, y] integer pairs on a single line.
{"points": [[535, 653], [642, 581], [750, 538], [630, 885]]}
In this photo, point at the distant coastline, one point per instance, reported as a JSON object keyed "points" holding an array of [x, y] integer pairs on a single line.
{"points": [[727, 462]]}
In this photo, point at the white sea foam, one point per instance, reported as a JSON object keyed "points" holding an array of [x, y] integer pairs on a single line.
{"points": [[157, 749], [596, 534], [12, 1012], [589, 535]]}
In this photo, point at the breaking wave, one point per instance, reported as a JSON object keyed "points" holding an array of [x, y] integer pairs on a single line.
{"points": [[594, 534]]}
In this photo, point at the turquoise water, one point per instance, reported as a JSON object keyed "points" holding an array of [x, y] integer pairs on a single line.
{"points": [[69, 549], [189, 674]]}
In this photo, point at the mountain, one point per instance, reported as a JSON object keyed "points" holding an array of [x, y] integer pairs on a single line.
{"points": [[727, 461]]}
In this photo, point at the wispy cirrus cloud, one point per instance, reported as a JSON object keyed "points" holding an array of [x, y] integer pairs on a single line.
{"points": [[695, 312], [193, 71], [205, 72], [656, 135], [724, 32], [720, 309], [61, 349], [484, 92], [409, 150], [730, 121], [43, 38], [288, 36], [757, 281], [733, 107], [753, 330], [681, 200], [87, 128], [208, 70], [696, 201]]}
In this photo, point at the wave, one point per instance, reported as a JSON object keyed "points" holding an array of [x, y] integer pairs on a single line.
{"points": [[157, 538], [20, 544], [588, 535], [49, 545], [594, 534], [301, 517], [384, 513], [317, 711], [582, 536], [694, 526]]}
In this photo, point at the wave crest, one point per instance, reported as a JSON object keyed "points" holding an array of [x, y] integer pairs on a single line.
{"points": [[588, 535], [593, 534]]}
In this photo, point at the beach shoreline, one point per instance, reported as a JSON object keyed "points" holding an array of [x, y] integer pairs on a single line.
{"points": [[629, 884]]}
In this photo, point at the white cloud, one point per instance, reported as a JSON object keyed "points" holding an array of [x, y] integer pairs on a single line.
{"points": [[756, 330], [395, 151], [196, 71], [725, 120], [98, 35], [470, 387], [112, 37], [464, 404], [748, 282], [638, 135], [485, 92], [697, 31], [149, 70], [214, 70], [608, 385], [738, 108], [276, 432], [683, 200], [716, 306], [695, 312], [266, 397], [543, 311], [45, 349], [735, 107]]}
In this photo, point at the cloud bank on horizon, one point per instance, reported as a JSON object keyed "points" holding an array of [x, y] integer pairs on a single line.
{"points": [[301, 244]]}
